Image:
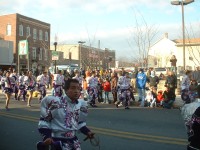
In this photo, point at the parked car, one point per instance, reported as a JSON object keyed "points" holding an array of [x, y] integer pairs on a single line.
{"points": [[160, 70]]}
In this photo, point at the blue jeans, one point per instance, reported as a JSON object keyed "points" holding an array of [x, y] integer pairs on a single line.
{"points": [[106, 97], [168, 104], [141, 94]]}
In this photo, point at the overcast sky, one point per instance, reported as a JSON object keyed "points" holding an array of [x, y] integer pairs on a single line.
{"points": [[110, 21]]}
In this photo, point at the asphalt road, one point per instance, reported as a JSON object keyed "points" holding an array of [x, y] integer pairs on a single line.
{"points": [[117, 129]]}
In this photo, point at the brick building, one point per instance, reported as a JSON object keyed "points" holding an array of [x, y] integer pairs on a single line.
{"points": [[86, 56], [16, 27]]}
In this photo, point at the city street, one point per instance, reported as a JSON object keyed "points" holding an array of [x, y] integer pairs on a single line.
{"points": [[119, 129]]}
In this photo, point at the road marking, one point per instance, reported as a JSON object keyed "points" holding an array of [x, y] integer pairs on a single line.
{"points": [[110, 132]]}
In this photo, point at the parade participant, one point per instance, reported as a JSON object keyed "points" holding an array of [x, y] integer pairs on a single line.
{"points": [[92, 89], [15, 84], [124, 83], [7, 82], [58, 81], [191, 115], [185, 84], [193, 90], [30, 83], [42, 81], [114, 81], [1, 76], [22, 87], [62, 117], [141, 83], [80, 80]]}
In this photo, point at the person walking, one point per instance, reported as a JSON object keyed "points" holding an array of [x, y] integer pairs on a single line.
{"points": [[114, 81], [30, 82], [61, 117], [7, 83], [42, 81]]}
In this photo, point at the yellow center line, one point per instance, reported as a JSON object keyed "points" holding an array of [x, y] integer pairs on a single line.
{"points": [[110, 132]]}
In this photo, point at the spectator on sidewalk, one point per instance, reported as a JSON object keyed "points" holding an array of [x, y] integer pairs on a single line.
{"points": [[107, 90], [153, 80], [171, 81], [141, 83], [169, 98]]}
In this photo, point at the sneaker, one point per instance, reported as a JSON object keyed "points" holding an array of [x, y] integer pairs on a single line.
{"points": [[7, 109], [28, 105], [127, 107], [120, 104]]}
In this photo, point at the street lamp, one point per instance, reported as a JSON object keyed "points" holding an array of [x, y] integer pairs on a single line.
{"points": [[80, 57], [182, 3]]}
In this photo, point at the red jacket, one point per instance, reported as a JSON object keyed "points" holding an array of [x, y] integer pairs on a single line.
{"points": [[160, 97], [107, 86]]}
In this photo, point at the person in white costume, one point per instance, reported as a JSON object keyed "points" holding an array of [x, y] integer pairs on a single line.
{"points": [[42, 81], [61, 117], [92, 89], [191, 116], [124, 84], [58, 81], [7, 82], [30, 82]]}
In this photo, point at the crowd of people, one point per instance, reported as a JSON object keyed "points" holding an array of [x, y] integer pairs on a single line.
{"points": [[95, 86]]}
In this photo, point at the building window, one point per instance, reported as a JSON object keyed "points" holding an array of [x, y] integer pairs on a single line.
{"points": [[34, 54], [20, 30], [40, 35], [45, 54], [46, 36], [40, 53], [8, 29], [34, 34], [28, 31]]}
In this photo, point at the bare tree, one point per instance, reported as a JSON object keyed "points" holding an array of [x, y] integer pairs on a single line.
{"points": [[193, 45], [143, 36]]}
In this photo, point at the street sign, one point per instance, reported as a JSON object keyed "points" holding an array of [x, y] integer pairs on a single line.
{"points": [[55, 55], [23, 47]]}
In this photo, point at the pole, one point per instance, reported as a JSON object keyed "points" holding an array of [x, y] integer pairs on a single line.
{"points": [[28, 57], [80, 56], [18, 62], [183, 30], [55, 44]]}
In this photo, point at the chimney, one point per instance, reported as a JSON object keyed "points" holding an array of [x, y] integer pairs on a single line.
{"points": [[166, 35]]}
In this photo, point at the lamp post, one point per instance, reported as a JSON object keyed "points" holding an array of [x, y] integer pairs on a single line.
{"points": [[55, 44], [182, 3], [28, 52], [80, 57]]}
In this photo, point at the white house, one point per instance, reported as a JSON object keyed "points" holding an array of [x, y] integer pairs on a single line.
{"points": [[161, 52]]}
